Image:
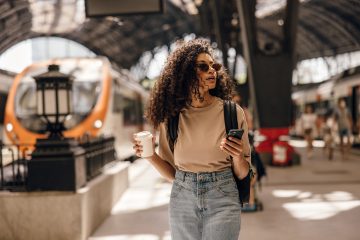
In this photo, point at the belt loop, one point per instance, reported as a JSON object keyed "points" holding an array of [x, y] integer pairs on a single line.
{"points": [[213, 176], [183, 175], [180, 175]]}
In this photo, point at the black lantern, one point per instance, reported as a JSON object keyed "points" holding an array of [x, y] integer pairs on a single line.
{"points": [[57, 163], [53, 95]]}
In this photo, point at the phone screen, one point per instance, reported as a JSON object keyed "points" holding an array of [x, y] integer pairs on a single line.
{"points": [[236, 133]]}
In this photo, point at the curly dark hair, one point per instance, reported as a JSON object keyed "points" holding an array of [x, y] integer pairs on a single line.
{"points": [[178, 80]]}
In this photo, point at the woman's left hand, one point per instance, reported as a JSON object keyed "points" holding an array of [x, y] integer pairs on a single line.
{"points": [[232, 146]]}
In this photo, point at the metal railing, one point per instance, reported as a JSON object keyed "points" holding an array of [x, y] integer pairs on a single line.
{"points": [[14, 161], [98, 152], [13, 166]]}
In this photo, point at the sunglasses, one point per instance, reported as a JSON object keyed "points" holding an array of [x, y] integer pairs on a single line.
{"points": [[205, 67]]}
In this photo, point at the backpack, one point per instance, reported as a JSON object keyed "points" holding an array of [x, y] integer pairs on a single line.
{"points": [[230, 118]]}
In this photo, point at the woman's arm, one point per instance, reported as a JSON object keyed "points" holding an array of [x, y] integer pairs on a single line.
{"points": [[164, 168]]}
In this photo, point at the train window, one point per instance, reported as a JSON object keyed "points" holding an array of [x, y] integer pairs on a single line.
{"points": [[132, 111], [118, 103], [85, 95], [25, 107], [87, 83], [25, 100]]}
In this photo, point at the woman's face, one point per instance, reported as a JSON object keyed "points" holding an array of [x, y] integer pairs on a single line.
{"points": [[206, 72]]}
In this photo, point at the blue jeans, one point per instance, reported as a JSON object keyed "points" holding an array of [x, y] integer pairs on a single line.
{"points": [[204, 206]]}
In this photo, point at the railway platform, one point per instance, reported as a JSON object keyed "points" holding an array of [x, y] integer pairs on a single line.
{"points": [[319, 199]]}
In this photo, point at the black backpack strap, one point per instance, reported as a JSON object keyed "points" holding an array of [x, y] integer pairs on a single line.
{"points": [[234, 122], [230, 116], [172, 130], [243, 185]]}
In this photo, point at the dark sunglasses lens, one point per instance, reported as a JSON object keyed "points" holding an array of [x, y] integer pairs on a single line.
{"points": [[203, 67], [216, 66]]}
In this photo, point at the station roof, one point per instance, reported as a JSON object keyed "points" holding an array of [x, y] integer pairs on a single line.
{"points": [[325, 28]]}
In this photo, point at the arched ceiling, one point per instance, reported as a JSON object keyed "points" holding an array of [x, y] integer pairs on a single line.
{"points": [[325, 28], [122, 40]]}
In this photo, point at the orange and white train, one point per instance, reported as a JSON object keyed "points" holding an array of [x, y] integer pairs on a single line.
{"points": [[104, 101]]}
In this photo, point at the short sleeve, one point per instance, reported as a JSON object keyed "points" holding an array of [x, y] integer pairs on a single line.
{"points": [[164, 148], [245, 139]]}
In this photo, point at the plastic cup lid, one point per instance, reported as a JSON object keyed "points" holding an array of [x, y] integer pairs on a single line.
{"points": [[143, 134]]}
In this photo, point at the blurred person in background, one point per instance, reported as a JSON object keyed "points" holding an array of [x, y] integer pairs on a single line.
{"points": [[329, 131], [308, 123], [344, 123]]}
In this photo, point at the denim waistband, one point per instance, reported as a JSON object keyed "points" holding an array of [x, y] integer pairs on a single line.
{"points": [[204, 176]]}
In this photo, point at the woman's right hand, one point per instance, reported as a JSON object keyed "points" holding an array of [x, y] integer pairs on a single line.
{"points": [[137, 147]]}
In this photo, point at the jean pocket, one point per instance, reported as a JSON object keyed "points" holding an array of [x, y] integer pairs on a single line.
{"points": [[227, 188], [176, 189]]}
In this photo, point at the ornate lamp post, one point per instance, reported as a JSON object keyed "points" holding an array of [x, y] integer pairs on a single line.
{"points": [[53, 90], [57, 163]]}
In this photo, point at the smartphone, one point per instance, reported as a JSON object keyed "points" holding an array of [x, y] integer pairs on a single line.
{"points": [[236, 133]]}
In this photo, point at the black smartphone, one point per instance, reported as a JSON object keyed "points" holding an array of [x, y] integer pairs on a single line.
{"points": [[236, 133]]}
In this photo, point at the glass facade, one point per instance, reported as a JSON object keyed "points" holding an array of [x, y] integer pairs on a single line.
{"points": [[23, 54]]}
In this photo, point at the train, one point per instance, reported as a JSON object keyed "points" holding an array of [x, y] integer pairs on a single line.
{"points": [[105, 101], [6, 79], [323, 98]]}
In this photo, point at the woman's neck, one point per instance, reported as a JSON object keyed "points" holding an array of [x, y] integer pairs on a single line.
{"points": [[208, 99]]}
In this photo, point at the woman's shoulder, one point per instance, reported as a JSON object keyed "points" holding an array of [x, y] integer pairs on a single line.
{"points": [[219, 100]]}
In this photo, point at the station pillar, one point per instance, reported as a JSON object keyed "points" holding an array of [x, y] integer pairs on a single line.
{"points": [[270, 67]]}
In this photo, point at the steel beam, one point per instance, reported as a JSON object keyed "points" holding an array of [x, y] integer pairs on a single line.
{"points": [[269, 73], [217, 17]]}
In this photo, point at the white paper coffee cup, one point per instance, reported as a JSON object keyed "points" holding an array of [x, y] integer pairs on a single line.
{"points": [[145, 139]]}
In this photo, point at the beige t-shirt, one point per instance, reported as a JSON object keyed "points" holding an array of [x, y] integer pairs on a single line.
{"points": [[200, 132]]}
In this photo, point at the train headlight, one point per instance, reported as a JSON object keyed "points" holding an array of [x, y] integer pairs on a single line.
{"points": [[9, 127], [98, 124]]}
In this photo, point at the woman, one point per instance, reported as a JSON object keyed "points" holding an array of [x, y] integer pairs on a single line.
{"points": [[204, 202], [344, 123], [308, 121]]}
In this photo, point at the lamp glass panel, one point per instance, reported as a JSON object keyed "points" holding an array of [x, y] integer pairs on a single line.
{"points": [[70, 102], [50, 103], [63, 101], [39, 102]]}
